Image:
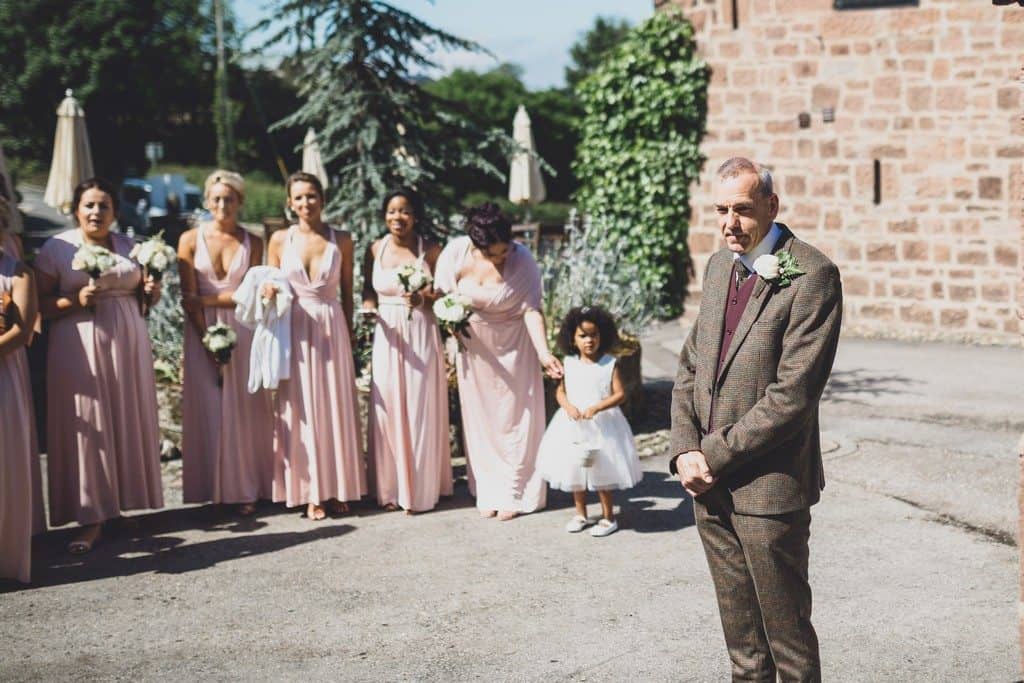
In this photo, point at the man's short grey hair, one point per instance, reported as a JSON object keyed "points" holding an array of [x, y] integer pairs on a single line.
{"points": [[740, 165]]}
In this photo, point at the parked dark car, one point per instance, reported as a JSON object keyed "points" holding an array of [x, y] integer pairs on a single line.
{"points": [[159, 203]]}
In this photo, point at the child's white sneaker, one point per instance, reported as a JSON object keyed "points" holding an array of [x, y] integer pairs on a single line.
{"points": [[577, 524], [604, 528]]}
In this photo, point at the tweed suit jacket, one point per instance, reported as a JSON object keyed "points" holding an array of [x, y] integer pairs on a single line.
{"points": [[764, 445]]}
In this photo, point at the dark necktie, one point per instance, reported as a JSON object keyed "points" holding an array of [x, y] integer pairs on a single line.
{"points": [[741, 273]]}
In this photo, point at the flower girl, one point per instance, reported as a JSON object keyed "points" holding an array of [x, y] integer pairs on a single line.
{"points": [[589, 444]]}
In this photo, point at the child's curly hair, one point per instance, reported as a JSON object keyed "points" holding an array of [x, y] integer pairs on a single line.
{"points": [[592, 314]]}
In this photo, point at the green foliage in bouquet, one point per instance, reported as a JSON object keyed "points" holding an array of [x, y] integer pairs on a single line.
{"points": [[645, 111]]}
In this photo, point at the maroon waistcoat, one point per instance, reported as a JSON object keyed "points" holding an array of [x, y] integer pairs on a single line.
{"points": [[735, 304]]}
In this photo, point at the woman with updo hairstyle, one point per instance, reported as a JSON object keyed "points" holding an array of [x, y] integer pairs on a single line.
{"points": [[408, 417], [317, 460], [501, 391], [102, 441], [226, 432], [21, 499]]}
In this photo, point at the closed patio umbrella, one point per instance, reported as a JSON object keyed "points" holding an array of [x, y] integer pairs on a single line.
{"points": [[312, 161], [525, 184], [72, 158]]}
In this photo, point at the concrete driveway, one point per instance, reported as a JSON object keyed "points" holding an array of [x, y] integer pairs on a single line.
{"points": [[913, 564]]}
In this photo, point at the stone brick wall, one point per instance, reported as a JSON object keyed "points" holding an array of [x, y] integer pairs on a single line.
{"points": [[930, 92]]}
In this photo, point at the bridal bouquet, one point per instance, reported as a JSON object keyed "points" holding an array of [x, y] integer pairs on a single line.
{"points": [[453, 311], [414, 278], [94, 260], [220, 341], [154, 255]]}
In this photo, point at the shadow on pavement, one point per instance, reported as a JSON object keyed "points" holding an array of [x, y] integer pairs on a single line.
{"points": [[153, 547], [853, 386]]}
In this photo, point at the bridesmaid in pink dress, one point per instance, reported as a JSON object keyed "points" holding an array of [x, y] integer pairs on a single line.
{"points": [[227, 433], [103, 445], [317, 457], [501, 392], [409, 443], [21, 501]]}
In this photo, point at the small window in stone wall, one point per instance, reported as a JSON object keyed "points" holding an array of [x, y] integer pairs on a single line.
{"points": [[872, 4]]}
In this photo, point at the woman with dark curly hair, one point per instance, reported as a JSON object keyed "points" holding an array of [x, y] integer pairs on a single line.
{"points": [[102, 441], [500, 387], [408, 417]]}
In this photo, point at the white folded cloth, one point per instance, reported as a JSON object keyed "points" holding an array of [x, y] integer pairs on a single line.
{"points": [[271, 322]]}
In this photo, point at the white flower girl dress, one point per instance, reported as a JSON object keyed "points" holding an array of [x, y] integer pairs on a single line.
{"points": [[590, 454]]}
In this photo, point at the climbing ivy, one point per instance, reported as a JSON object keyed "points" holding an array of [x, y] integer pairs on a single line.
{"points": [[645, 111]]}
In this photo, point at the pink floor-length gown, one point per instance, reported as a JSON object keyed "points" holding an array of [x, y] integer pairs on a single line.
{"points": [[501, 391], [317, 444], [101, 426], [409, 440], [21, 495], [227, 433]]}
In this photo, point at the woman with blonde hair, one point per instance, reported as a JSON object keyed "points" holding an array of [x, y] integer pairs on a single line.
{"points": [[317, 459], [227, 433]]}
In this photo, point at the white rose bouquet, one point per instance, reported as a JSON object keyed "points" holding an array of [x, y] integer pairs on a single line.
{"points": [[155, 255], [220, 340], [453, 311], [414, 278], [94, 260]]}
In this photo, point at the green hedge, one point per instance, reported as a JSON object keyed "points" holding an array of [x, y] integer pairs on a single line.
{"points": [[645, 110]]}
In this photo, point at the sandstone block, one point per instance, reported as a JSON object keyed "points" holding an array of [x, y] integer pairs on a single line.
{"points": [[881, 251], [953, 317], [915, 251], [918, 314], [990, 188]]}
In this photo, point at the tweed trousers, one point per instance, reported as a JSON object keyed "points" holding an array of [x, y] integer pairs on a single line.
{"points": [[759, 567]]}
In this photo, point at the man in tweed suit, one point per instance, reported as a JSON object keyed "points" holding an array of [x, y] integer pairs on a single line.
{"points": [[745, 423]]}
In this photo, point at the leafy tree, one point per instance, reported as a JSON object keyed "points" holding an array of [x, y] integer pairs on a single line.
{"points": [[645, 110], [489, 99], [137, 67], [590, 50], [376, 125]]}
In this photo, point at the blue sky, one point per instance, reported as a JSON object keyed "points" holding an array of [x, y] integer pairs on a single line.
{"points": [[535, 34]]}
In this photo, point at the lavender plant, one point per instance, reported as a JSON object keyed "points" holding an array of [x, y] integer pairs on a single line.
{"points": [[592, 268], [166, 330]]}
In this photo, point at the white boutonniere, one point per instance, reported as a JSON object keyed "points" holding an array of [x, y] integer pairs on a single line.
{"points": [[779, 268]]}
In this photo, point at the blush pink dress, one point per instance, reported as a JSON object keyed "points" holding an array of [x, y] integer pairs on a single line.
{"points": [[409, 441], [317, 454], [227, 433], [501, 391], [21, 495], [103, 445]]}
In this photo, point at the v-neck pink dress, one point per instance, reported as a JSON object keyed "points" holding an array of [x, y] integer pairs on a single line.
{"points": [[227, 433], [317, 443], [21, 495], [501, 391], [103, 445], [409, 440]]}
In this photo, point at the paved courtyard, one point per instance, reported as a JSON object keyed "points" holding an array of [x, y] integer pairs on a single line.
{"points": [[913, 564]]}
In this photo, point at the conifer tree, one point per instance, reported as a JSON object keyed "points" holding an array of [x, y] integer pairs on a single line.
{"points": [[358, 67]]}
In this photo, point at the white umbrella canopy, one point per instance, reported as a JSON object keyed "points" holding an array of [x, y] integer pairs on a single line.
{"points": [[312, 161], [72, 158], [525, 184]]}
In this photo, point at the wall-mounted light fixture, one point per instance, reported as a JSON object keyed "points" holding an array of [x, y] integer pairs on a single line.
{"points": [[828, 114]]}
